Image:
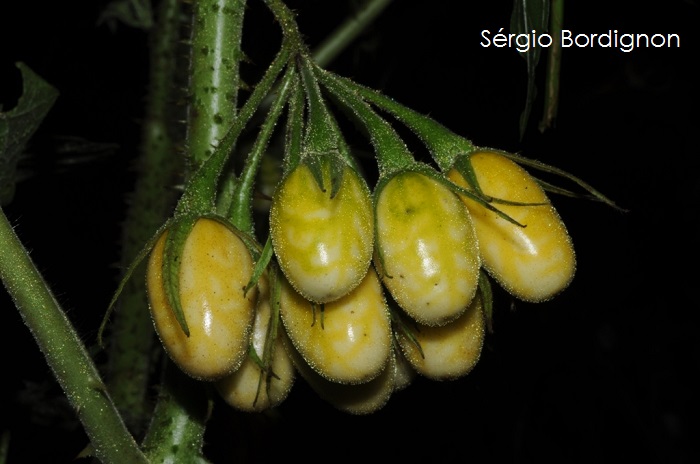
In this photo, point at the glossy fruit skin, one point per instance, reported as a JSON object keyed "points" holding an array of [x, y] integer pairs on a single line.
{"points": [[533, 263], [323, 244], [429, 248], [361, 399], [240, 388], [350, 342], [450, 351], [215, 267]]}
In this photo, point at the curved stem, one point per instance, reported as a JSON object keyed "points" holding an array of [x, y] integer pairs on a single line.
{"points": [[287, 21], [240, 212], [64, 352]]}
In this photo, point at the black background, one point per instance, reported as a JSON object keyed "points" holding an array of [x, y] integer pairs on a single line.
{"points": [[604, 372]]}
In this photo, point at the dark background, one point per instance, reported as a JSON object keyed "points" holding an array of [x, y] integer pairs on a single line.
{"points": [[605, 372]]}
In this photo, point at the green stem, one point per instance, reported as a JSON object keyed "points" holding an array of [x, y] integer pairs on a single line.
{"points": [[179, 420], [443, 144], [64, 352], [4, 446], [342, 36], [551, 95], [214, 74], [241, 214], [391, 151], [131, 340], [348, 31], [287, 21], [200, 191], [294, 130]]}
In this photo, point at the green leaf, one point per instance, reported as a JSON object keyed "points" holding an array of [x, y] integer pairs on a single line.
{"points": [[18, 125], [528, 16]]}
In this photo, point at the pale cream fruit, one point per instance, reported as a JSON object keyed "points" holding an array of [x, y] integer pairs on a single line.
{"points": [[450, 351], [345, 341], [247, 389], [427, 251], [323, 244], [359, 399]]}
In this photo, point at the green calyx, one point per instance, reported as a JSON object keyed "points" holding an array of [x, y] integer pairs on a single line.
{"points": [[443, 144], [463, 165], [592, 193], [323, 146], [390, 150], [273, 329], [172, 259]]}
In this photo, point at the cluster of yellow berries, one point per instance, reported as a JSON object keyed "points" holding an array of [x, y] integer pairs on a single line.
{"points": [[367, 289]]}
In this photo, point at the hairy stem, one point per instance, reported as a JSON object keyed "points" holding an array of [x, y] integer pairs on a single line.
{"points": [[214, 74], [131, 340], [64, 352], [179, 420]]}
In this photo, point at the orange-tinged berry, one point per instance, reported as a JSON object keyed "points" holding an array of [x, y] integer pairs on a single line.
{"points": [[535, 262], [215, 268]]}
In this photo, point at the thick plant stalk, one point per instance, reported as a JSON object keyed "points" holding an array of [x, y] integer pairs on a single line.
{"points": [[177, 429], [179, 420], [214, 74], [64, 352], [131, 339]]}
